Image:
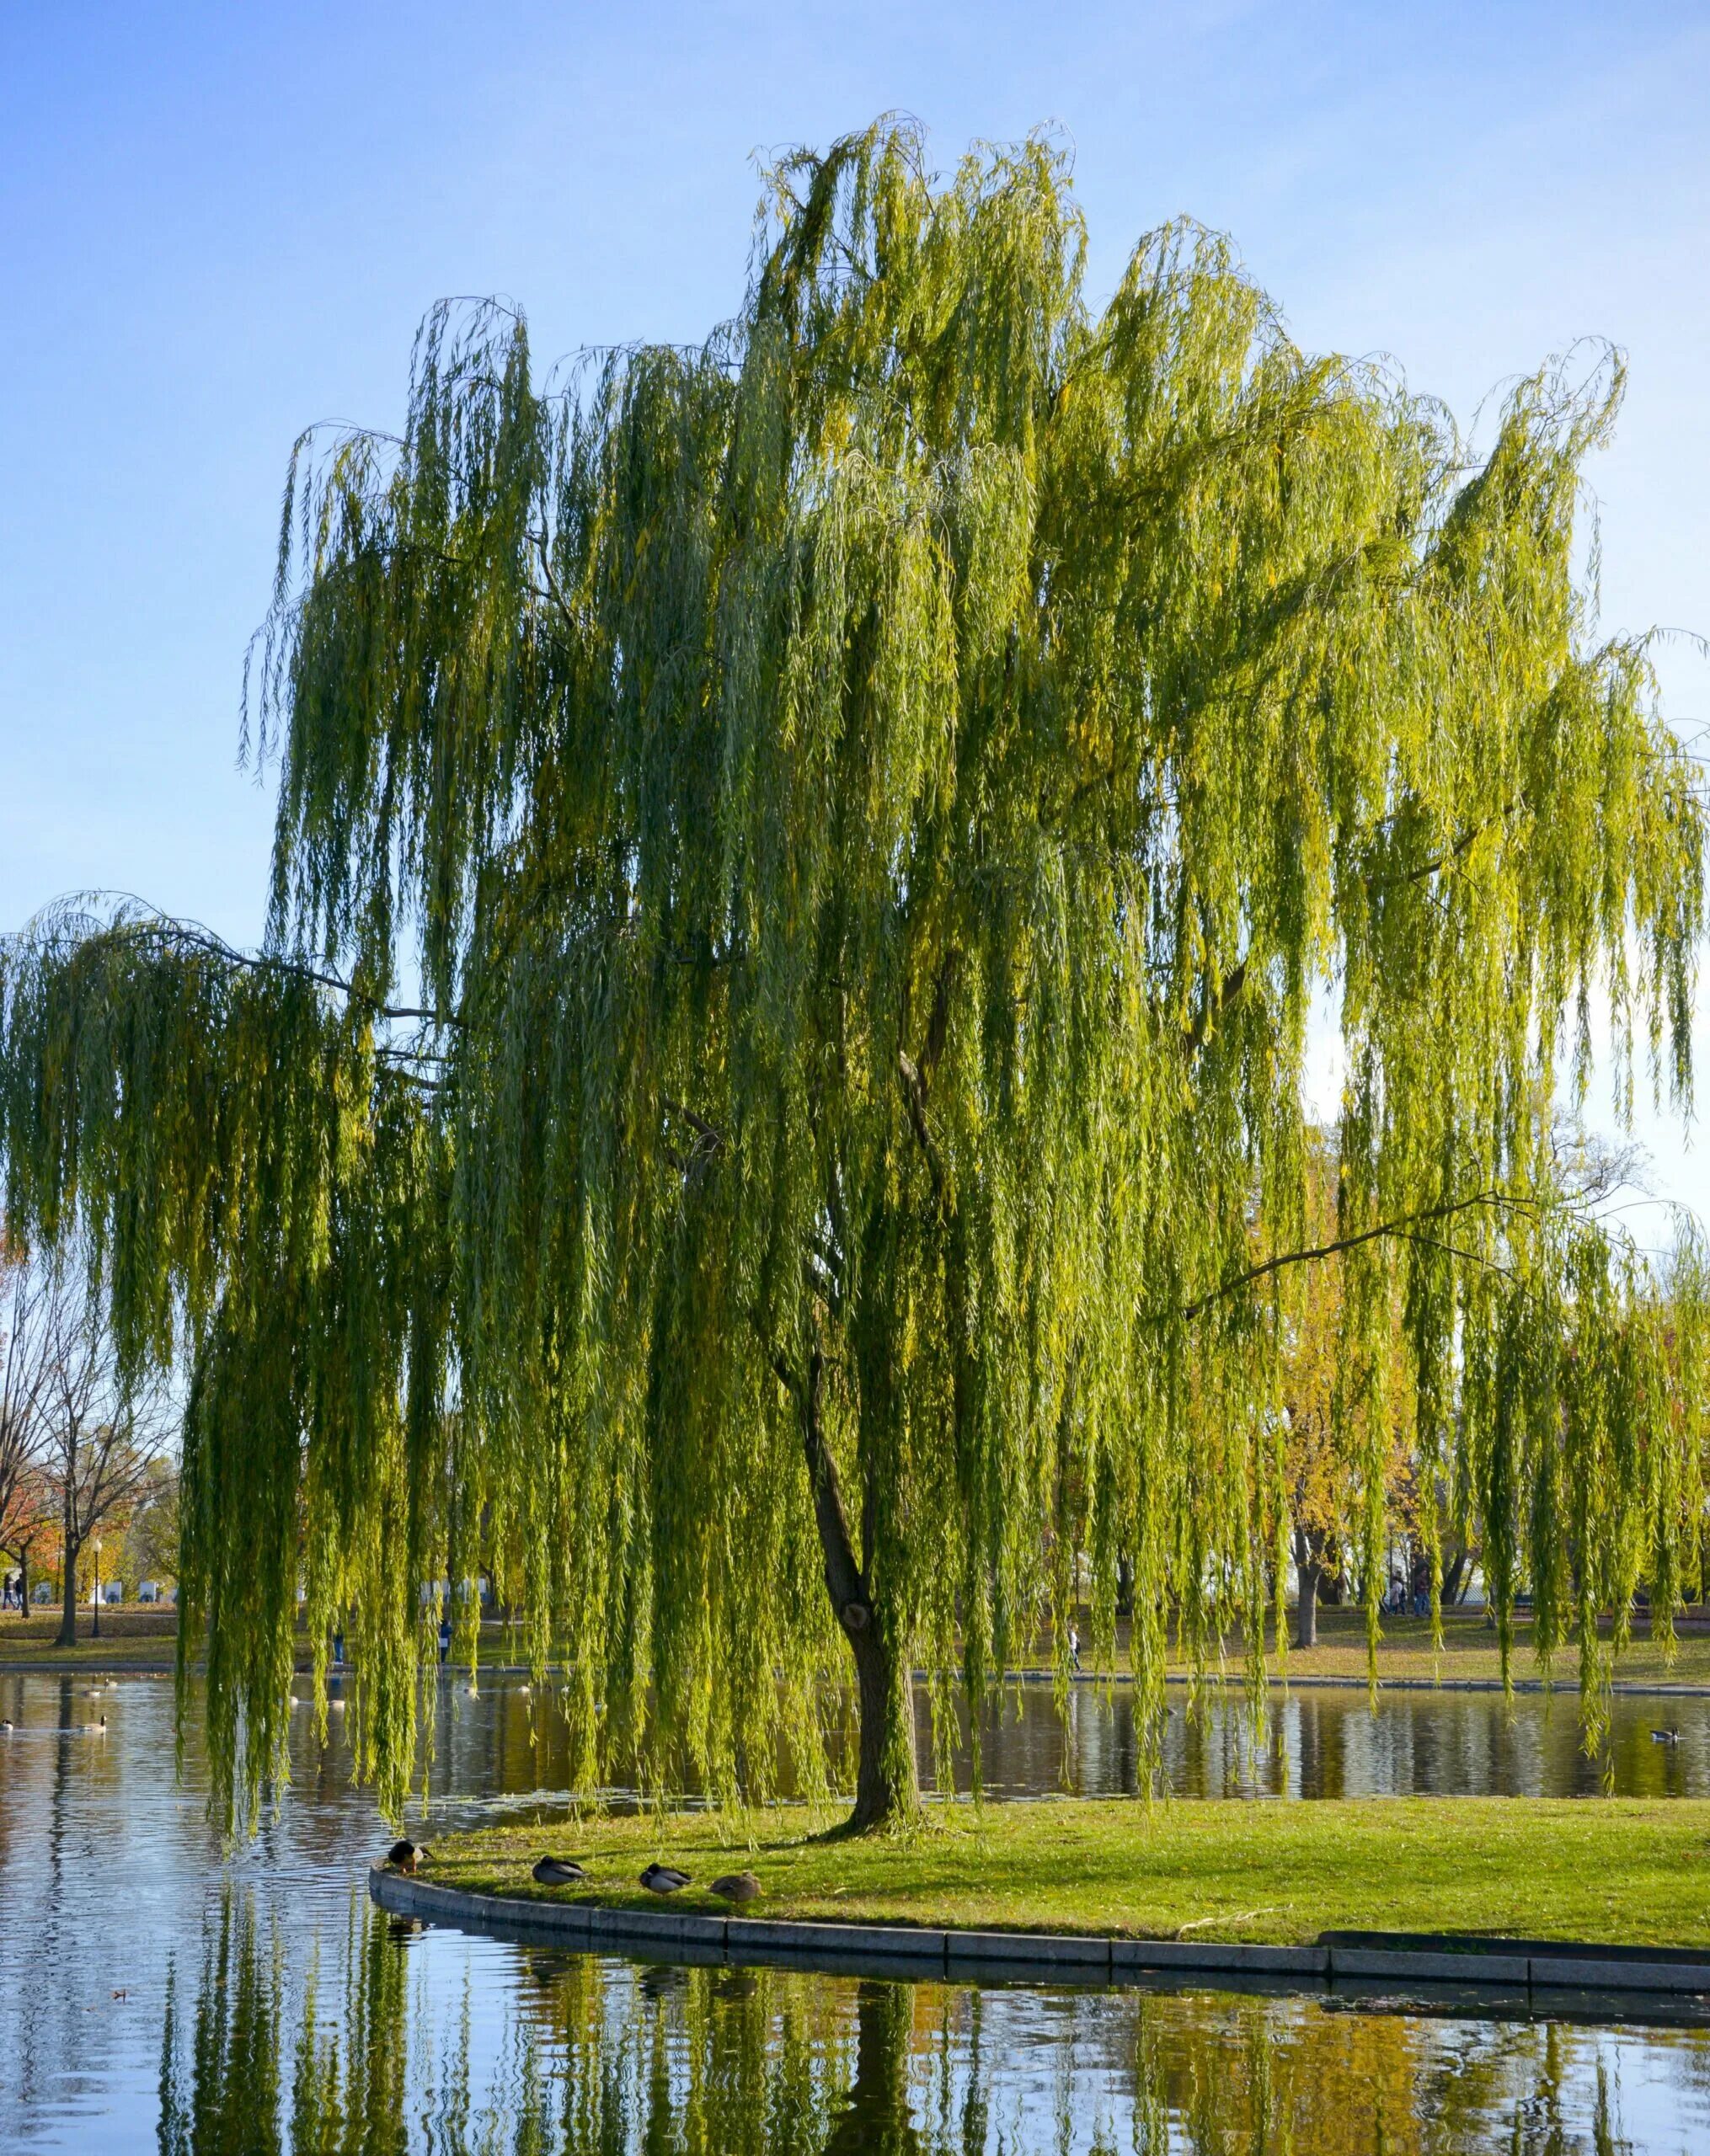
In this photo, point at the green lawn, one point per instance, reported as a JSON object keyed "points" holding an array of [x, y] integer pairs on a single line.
{"points": [[1625, 1871]]}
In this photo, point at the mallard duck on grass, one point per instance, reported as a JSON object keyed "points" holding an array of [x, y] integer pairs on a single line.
{"points": [[737, 1887], [663, 1879], [558, 1871], [403, 1856]]}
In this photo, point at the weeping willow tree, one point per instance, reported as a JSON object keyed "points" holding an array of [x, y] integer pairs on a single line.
{"points": [[771, 1101]]}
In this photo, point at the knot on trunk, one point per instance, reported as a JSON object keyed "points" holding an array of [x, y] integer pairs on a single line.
{"points": [[856, 1616]]}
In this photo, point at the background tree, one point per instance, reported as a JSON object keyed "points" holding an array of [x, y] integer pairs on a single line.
{"points": [[1336, 1377], [102, 1430], [863, 809], [152, 1531], [25, 1502]]}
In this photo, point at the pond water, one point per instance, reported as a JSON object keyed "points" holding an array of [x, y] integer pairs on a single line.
{"points": [[160, 1994]]}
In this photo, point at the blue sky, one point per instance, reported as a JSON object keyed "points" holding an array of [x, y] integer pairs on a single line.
{"points": [[219, 223]]}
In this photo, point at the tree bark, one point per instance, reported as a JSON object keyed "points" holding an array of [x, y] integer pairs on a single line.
{"points": [[68, 1609], [887, 1783], [68, 1613], [1309, 1571]]}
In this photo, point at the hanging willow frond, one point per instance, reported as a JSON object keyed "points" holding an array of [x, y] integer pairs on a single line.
{"points": [[869, 805]]}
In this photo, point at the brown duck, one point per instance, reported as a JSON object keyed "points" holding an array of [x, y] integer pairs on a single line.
{"points": [[737, 1887], [403, 1856]]}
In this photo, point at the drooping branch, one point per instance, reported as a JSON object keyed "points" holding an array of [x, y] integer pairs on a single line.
{"points": [[166, 934], [1404, 1226]]}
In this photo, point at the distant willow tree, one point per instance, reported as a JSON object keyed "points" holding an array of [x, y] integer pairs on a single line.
{"points": [[860, 812]]}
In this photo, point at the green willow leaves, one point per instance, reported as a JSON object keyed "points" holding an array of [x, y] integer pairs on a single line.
{"points": [[863, 809]]}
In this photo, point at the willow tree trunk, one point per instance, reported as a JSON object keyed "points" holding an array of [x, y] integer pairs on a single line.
{"points": [[876, 2118], [887, 1780]]}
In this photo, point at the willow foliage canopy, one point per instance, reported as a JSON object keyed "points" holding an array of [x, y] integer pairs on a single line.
{"points": [[862, 809]]}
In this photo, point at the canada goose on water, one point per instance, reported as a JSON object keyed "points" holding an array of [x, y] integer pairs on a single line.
{"points": [[1665, 1737], [5, 1729], [93, 1728], [403, 1856], [663, 1879], [737, 1887], [558, 1871]]}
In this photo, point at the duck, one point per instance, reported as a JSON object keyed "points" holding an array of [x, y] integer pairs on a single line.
{"points": [[663, 1879], [558, 1871], [737, 1887], [403, 1856], [1665, 1737]]}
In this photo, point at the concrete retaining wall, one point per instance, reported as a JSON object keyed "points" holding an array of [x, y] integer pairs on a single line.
{"points": [[1066, 1958]]}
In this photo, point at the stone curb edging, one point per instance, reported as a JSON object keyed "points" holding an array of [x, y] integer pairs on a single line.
{"points": [[832, 1946]]}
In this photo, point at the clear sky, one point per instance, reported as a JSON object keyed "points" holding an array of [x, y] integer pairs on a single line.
{"points": [[219, 222]]}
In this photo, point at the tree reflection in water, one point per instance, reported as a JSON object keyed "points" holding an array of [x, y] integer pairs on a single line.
{"points": [[593, 2058]]}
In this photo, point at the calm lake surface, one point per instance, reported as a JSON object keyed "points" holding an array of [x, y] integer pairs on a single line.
{"points": [[158, 1992]]}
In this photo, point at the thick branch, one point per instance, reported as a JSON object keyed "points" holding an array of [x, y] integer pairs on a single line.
{"points": [[1215, 1006], [1454, 852], [715, 1138], [843, 1580], [914, 1094]]}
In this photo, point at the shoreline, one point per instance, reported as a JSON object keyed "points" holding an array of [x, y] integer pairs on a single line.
{"points": [[1530, 1687], [1450, 1964], [1561, 1873]]}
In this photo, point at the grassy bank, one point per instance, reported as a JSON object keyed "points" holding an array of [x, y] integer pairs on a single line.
{"points": [[1469, 1653], [148, 1638], [1614, 1870]]}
